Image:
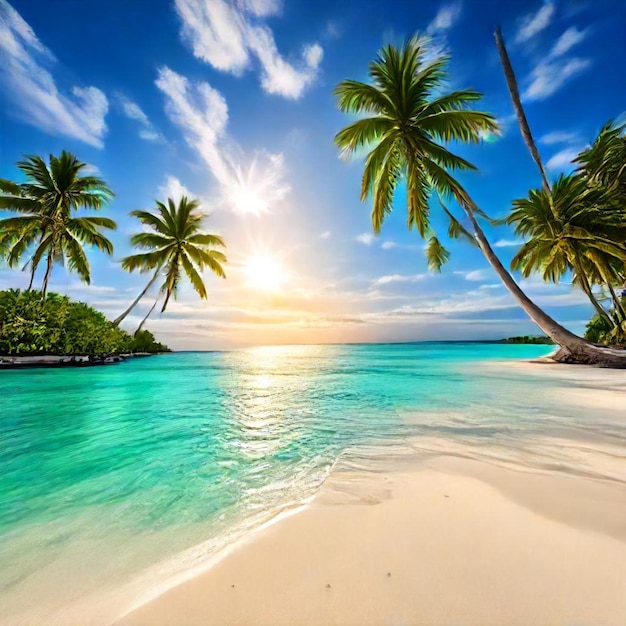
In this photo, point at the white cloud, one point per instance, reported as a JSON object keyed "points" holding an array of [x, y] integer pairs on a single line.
{"points": [[558, 136], [567, 40], [563, 159], [25, 74], [533, 24], [365, 238], [388, 245], [478, 275], [325, 235], [548, 77], [224, 35], [202, 114], [399, 278], [447, 15], [133, 111], [508, 243], [174, 189]]}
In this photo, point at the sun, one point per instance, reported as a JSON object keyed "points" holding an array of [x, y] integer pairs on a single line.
{"points": [[264, 273]]}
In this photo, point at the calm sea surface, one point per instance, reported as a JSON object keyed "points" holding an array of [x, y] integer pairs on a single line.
{"points": [[128, 476]]}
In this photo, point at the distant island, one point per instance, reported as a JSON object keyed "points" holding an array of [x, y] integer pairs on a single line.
{"points": [[56, 325], [530, 339]]}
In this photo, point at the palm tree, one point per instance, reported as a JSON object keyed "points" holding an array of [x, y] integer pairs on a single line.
{"points": [[408, 118], [48, 226], [566, 230], [175, 244]]}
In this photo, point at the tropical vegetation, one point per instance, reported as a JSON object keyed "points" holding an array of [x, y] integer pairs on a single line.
{"points": [[31, 325], [407, 119], [48, 225], [175, 245]]}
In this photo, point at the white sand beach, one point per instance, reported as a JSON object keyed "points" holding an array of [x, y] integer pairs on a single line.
{"points": [[449, 542], [437, 538]]}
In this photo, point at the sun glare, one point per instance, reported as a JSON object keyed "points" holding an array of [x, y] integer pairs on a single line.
{"points": [[247, 201], [264, 273]]}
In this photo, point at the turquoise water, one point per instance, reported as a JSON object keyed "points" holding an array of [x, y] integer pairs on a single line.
{"points": [[155, 464]]}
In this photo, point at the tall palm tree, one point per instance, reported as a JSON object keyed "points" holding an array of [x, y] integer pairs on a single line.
{"points": [[567, 230], [408, 118], [175, 244], [48, 226]]}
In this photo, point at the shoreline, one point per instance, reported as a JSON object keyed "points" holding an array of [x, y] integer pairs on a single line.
{"points": [[437, 537], [362, 510], [443, 540]]}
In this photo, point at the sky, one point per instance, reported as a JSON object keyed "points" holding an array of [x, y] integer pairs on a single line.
{"points": [[231, 102]]}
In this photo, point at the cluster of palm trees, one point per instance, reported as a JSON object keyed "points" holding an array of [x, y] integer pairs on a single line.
{"points": [[50, 228], [576, 226]]}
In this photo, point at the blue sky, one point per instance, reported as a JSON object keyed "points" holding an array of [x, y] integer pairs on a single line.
{"points": [[231, 102]]}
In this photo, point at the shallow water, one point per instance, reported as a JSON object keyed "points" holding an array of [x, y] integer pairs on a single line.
{"points": [[122, 477]]}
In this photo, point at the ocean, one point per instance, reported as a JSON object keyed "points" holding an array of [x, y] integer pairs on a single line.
{"points": [[116, 482]]}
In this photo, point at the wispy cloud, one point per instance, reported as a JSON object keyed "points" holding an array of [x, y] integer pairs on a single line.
{"points": [[388, 245], [27, 81], [447, 15], [534, 23], [325, 235], [365, 238], [133, 111], [558, 136], [554, 70], [548, 77], [508, 243], [247, 184], [399, 278], [228, 35], [174, 189], [563, 159], [567, 40]]}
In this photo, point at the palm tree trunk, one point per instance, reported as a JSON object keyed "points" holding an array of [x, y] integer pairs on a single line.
{"points": [[572, 349], [511, 82], [586, 287], [143, 321], [121, 318], [46, 278], [32, 276], [617, 303]]}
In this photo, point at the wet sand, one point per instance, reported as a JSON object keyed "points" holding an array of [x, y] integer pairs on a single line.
{"points": [[444, 541]]}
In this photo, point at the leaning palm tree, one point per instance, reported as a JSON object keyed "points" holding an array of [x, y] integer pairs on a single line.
{"points": [[407, 119], [175, 245], [569, 229], [48, 226]]}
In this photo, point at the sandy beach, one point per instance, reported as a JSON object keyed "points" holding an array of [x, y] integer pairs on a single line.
{"points": [[444, 541]]}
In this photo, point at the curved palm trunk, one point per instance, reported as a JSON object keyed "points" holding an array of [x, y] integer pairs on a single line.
{"points": [[143, 321], [586, 287], [46, 278], [121, 318], [617, 303], [511, 82], [32, 276], [572, 349]]}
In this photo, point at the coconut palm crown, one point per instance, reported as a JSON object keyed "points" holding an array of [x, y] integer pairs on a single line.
{"points": [[175, 246], [407, 121], [48, 226]]}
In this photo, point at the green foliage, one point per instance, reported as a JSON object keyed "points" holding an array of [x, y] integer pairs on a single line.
{"points": [[144, 341], [47, 225], [31, 325], [600, 330], [529, 339], [408, 118], [175, 244]]}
